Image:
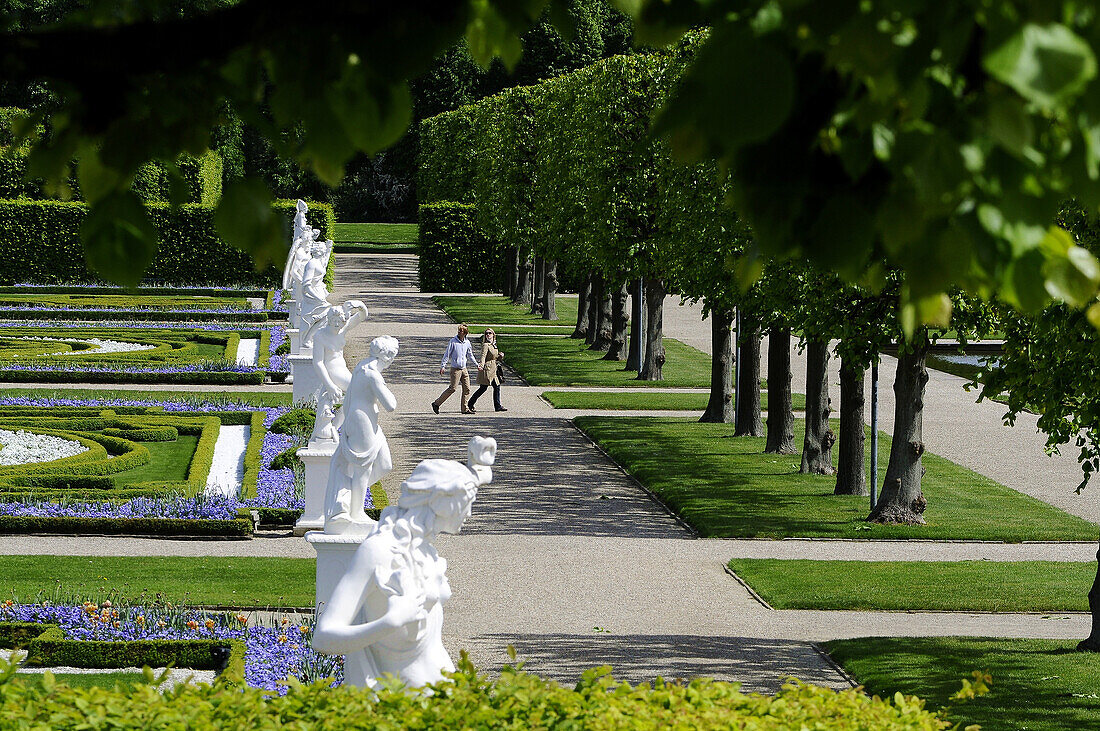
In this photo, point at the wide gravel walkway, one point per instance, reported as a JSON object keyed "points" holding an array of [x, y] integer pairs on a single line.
{"points": [[567, 559]]}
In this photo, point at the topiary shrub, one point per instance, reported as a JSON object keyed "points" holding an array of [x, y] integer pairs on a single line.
{"points": [[295, 422], [455, 253], [287, 460]]}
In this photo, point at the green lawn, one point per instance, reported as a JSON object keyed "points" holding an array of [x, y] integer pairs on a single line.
{"points": [[498, 310], [644, 400], [569, 362], [1041, 685], [168, 462], [376, 248], [125, 681], [217, 397], [239, 582], [528, 330], [376, 233], [727, 487], [957, 586]]}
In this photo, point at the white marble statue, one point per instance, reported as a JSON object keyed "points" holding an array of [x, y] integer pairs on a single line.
{"points": [[296, 261], [386, 612], [328, 336], [324, 430], [363, 455], [301, 208], [312, 294]]}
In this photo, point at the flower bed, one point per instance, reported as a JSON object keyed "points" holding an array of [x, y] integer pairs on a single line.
{"points": [[81, 502], [128, 352], [97, 303], [120, 634]]}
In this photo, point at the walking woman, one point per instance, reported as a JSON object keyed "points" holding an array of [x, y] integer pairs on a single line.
{"points": [[489, 374]]}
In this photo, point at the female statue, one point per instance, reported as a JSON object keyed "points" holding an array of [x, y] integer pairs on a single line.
{"points": [[363, 456], [386, 613], [328, 336], [313, 297]]}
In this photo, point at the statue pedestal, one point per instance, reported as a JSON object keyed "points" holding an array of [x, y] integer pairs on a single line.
{"points": [[294, 335], [334, 554], [316, 457], [306, 379], [291, 309]]}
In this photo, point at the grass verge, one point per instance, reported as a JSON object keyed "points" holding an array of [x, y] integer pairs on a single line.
{"points": [[956, 586], [210, 581], [497, 310], [376, 233], [638, 401], [728, 488], [1037, 684], [568, 362]]}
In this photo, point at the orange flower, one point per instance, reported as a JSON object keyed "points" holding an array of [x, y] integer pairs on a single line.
{"points": [[210, 624], [140, 619], [242, 619], [192, 624], [282, 638]]}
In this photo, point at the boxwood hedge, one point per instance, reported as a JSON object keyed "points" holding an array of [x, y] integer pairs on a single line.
{"points": [[515, 700]]}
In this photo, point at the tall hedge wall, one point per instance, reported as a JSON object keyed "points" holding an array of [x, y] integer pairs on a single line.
{"points": [[203, 176], [40, 243], [571, 168], [455, 253]]}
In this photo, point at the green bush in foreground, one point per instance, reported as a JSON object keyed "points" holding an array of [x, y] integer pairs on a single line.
{"points": [[515, 700]]}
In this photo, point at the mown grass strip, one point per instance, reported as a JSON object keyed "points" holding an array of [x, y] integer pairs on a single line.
{"points": [[376, 233], [569, 362], [955, 586], [644, 400], [1041, 685], [727, 487], [497, 310], [198, 581]]}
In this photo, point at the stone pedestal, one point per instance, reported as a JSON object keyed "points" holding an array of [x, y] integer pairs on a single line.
{"points": [[294, 335], [305, 377], [317, 457], [334, 554], [291, 309]]}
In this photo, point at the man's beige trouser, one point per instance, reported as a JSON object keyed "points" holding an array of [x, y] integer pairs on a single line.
{"points": [[458, 375]]}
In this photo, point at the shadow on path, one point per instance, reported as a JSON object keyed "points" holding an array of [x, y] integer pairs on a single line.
{"points": [[761, 665], [561, 486]]}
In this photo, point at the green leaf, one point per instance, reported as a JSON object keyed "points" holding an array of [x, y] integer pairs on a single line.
{"points": [[245, 219], [1045, 64], [1028, 285], [119, 238], [96, 179], [739, 90], [1074, 277], [489, 36]]}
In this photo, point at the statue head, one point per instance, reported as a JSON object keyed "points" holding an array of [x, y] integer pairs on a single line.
{"points": [[384, 350], [301, 206], [447, 488]]}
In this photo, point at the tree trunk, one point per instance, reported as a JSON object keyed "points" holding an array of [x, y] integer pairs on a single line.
{"points": [[523, 291], [749, 422], [539, 280], [603, 320], [620, 301], [720, 406], [654, 360], [637, 315], [901, 499], [512, 280], [550, 290], [594, 298], [581, 330], [780, 413], [851, 473], [817, 447], [1092, 642]]}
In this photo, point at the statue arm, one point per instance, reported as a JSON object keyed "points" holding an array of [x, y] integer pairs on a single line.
{"points": [[386, 399], [336, 633]]}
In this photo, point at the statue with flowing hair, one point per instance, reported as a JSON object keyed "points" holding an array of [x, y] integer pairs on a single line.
{"points": [[386, 613], [312, 294], [328, 336], [363, 455]]}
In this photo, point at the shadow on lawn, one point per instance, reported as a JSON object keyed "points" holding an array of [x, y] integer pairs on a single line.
{"points": [[548, 479], [761, 665]]}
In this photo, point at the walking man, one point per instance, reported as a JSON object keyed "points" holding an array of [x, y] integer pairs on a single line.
{"points": [[455, 357]]}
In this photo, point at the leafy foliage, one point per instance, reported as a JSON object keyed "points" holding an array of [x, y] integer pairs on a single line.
{"points": [[456, 255]]}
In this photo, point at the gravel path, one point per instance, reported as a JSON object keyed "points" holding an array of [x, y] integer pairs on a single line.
{"points": [[567, 559]]}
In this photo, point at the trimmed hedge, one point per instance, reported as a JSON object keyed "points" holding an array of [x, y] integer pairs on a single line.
{"points": [[47, 646], [152, 527], [202, 176], [455, 253], [208, 378], [40, 243], [146, 434], [514, 700]]}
